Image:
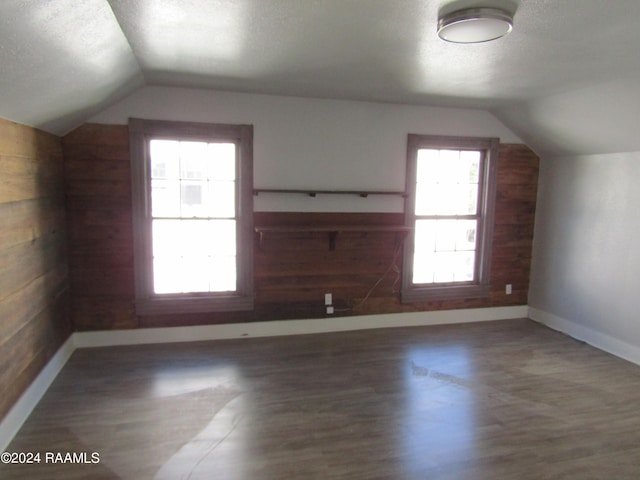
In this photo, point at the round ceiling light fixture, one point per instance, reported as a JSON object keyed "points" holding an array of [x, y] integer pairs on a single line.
{"points": [[474, 25]]}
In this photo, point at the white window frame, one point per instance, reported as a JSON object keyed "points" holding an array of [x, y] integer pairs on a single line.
{"points": [[480, 286], [147, 302]]}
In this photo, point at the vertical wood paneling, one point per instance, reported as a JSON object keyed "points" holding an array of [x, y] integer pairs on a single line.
{"points": [[292, 271], [34, 283], [514, 220]]}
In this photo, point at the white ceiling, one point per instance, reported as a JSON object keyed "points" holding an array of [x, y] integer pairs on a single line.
{"points": [[567, 79]]}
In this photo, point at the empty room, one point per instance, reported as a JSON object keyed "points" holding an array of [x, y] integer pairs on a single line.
{"points": [[317, 239]]}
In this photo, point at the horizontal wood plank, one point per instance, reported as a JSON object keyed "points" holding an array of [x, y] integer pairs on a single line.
{"points": [[21, 264], [97, 135], [24, 305], [34, 283], [26, 221], [23, 141], [28, 178], [31, 347], [103, 313]]}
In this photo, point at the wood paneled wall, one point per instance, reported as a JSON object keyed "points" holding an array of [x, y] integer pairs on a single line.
{"points": [[34, 286], [98, 190], [292, 271]]}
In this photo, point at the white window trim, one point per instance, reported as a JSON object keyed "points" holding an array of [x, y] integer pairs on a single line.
{"points": [[457, 290], [146, 301]]}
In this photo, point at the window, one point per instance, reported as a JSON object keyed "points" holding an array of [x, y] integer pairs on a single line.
{"points": [[193, 216], [449, 205]]}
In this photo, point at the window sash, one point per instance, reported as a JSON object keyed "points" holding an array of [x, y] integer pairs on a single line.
{"points": [[209, 246]]}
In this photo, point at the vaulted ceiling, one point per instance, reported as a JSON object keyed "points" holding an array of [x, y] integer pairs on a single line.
{"points": [[566, 80]]}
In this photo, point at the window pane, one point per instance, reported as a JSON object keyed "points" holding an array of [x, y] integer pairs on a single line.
{"points": [[466, 235], [193, 179], [423, 267], [222, 197], [447, 182], [181, 274], [165, 198], [167, 237], [222, 275], [467, 200], [449, 166], [444, 266], [425, 236], [463, 266], [453, 267], [165, 158], [193, 160], [223, 237], [427, 199], [444, 251], [222, 164], [193, 199], [167, 275], [470, 166], [446, 233], [428, 166], [196, 238], [195, 274], [194, 256], [425, 248], [445, 199]]}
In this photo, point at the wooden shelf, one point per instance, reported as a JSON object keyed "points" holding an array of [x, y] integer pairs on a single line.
{"points": [[331, 230], [313, 193]]}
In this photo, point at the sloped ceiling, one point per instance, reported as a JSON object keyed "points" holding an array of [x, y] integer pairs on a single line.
{"points": [[567, 79], [61, 60]]}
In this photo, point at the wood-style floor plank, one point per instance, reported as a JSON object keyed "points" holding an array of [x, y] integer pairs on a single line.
{"points": [[497, 400]]}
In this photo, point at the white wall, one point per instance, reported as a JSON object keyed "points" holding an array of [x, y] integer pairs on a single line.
{"points": [[585, 275], [581, 121], [315, 143]]}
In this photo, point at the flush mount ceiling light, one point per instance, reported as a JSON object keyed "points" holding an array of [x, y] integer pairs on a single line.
{"points": [[474, 25]]}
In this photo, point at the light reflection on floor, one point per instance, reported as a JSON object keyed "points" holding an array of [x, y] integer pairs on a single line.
{"points": [[179, 381], [217, 451], [440, 407]]}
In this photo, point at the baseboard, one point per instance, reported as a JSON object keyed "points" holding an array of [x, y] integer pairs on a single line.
{"points": [[30, 398], [588, 335], [21, 410], [293, 327]]}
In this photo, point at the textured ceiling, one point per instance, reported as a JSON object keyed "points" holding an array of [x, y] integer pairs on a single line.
{"points": [[566, 77]]}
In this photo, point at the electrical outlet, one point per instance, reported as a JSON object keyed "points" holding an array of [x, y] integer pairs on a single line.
{"points": [[508, 289], [328, 299]]}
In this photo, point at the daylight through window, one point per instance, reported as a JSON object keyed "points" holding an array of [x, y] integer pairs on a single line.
{"points": [[450, 185], [446, 216], [193, 216], [192, 189]]}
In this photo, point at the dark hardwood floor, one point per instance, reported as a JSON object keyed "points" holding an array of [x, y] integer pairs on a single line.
{"points": [[497, 400]]}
